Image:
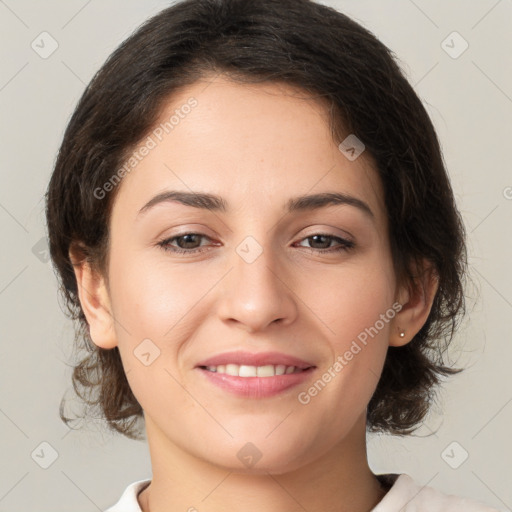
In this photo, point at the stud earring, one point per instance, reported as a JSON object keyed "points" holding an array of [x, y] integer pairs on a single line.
{"points": [[402, 334]]}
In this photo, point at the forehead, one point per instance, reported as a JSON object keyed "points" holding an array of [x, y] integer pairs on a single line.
{"points": [[247, 142]]}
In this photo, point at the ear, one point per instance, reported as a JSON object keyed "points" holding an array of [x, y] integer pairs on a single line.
{"points": [[416, 297], [95, 301]]}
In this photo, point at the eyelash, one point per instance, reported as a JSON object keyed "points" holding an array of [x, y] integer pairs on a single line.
{"points": [[345, 245]]}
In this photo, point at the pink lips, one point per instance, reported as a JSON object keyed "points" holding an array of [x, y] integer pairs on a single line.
{"points": [[255, 387]]}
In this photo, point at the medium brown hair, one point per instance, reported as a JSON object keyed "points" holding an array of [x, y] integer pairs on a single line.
{"points": [[322, 52]]}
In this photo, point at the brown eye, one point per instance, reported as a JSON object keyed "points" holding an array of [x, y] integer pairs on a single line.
{"points": [[188, 243], [321, 242]]}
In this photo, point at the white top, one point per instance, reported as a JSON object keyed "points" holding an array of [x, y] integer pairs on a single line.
{"points": [[405, 495]]}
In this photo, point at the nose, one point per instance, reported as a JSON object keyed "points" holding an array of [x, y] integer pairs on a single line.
{"points": [[256, 294]]}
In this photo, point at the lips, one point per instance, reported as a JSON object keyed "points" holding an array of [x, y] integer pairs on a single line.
{"points": [[255, 375]]}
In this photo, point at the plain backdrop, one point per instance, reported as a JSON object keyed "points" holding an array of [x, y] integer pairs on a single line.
{"points": [[464, 448]]}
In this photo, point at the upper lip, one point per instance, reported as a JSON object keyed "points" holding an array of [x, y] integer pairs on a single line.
{"points": [[255, 359]]}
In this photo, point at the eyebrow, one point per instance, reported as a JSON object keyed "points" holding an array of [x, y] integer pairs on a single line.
{"points": [[216, 203]]}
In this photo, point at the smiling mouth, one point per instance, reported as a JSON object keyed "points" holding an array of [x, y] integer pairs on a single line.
{"points": [[269, 370]]}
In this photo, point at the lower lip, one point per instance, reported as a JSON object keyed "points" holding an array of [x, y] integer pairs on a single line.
{"points": [[256, 387]]}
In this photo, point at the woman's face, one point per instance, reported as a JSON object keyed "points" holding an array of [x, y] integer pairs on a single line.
{"points": [[258, 280]]}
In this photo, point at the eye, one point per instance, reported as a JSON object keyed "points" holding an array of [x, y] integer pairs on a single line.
{"points": [[186, 243], [325, 240]]}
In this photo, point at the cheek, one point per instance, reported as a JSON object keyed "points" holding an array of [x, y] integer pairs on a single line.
{"points": [[353, 298], [157, 308], [356, 308], [155, 301]]}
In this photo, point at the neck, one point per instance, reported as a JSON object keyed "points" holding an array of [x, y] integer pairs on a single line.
{"points": [[339, 480]]}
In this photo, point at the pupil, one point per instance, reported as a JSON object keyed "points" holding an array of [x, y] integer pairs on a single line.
{"points": [[316, 237], [188, 239]]}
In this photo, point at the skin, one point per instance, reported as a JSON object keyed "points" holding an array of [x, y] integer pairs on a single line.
{"points": [[257, 146]]}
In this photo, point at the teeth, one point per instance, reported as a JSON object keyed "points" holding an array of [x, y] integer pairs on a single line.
{"points": [[280, 369], [243, 370], [232, 369], [264, 371]]}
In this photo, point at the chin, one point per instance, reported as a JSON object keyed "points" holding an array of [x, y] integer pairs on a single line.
{"points": [[259, 454]]}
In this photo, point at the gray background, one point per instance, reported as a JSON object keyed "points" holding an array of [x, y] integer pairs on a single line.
{"points": [[470, 101]]}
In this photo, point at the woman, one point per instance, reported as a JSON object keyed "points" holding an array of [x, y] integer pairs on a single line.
{"points": [[255, 230]]}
